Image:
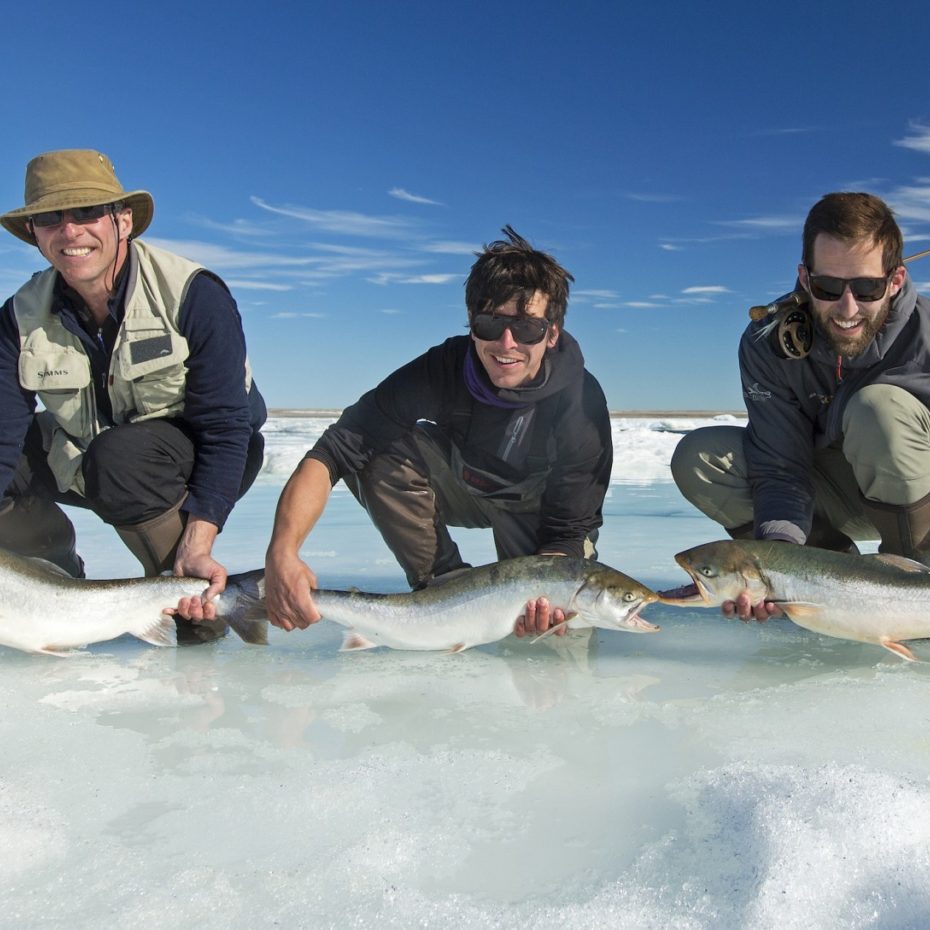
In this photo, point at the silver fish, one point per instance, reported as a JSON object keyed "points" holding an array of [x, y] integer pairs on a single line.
{"points": [[44, 610], [880, 599], [482, 605]]}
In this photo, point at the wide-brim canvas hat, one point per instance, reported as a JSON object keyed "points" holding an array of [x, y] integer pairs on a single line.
{"points": [[74, 178]]}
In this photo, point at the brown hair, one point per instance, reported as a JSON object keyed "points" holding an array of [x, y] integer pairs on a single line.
{"points": [[513, 268], [853, 217]]}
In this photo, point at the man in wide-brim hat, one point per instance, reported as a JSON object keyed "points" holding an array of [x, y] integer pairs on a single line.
{"points": [[150, 418]]}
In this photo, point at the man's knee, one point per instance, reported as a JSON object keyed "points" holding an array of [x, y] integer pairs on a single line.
{"points": [[886, 440], [879, 414], [705, 453], [133, 473]]}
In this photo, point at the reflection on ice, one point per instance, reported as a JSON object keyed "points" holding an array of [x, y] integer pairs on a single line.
{"points": [[714, 775]]}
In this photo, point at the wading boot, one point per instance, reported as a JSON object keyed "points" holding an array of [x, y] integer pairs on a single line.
{"points": [[155, 543], [904, 529], [37, 527]]}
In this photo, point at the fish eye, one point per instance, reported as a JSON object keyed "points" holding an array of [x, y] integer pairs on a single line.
{"points": [[629, 596], [706, 571]]}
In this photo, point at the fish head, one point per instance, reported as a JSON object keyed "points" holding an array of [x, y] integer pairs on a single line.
{"points": [[611, 600], [720, 571]]}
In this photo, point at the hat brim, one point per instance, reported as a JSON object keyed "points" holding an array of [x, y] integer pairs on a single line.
{"points": [[140, 202]]}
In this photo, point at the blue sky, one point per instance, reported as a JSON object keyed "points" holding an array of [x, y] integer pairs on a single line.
{"points": [[338, 165]]}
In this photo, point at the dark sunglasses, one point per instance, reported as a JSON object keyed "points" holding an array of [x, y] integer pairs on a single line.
{"points": [[79, 215], [527, 330], [826, 287]]}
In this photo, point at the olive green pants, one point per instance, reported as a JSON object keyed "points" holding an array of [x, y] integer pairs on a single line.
{"points": [[413, 493], [884, 458]]}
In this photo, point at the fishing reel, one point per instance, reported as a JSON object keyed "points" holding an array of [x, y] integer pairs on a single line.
{"points": [[789, 327]]}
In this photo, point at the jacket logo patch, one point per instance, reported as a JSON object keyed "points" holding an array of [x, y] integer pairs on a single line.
{"points": [[54, 373], [754, 392], [145, 350]]}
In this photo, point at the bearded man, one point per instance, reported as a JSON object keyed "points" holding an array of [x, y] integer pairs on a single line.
{"points": [[837, 447]]}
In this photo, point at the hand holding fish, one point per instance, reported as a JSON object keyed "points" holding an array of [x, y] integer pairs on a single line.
{"points": [[288, 582], [537, 619], [745, 610], [194, 559]]}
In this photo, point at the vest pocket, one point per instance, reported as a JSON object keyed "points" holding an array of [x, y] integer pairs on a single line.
{"points": [[150, 362], [61, 379]]}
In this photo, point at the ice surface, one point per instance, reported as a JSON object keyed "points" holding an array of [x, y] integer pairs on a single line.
{"points": [[713, 775]]}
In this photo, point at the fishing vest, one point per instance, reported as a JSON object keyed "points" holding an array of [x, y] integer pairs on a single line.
{"points": [[147, 373]]}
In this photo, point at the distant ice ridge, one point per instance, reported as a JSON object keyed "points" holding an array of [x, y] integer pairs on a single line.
{"points": [[642, 446]]}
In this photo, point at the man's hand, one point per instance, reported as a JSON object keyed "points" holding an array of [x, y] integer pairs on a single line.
{"points": [[288, 583], [194, 560], [539, 617], [745, 610]]}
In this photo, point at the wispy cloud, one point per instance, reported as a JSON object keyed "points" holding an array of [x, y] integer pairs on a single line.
{"points": [[258, 285], [343, 222], [388, 278], [919, 140], [337, 261], [911, 201], [218, 257], [240, 229], [640, 197], [785, 131], [293, 315], [674, 243], [400, 194], [452, 248], [586, 294], [706, 289], [774, 223]]}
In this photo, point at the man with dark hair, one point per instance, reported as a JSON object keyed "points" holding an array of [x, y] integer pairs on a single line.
{"points": [[503, 428], [838, 442], [150, 417]]}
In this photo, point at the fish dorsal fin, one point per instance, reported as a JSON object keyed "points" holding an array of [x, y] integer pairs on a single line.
{"points": [[902, 562]]}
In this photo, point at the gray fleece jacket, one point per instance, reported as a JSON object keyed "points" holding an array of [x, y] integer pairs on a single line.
{"points": [[796, 406]]}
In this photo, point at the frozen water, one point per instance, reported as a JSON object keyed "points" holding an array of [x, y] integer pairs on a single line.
{"points": [[713, 775]]}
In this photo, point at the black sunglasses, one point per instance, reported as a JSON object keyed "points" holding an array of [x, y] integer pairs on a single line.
{"points": [[527, 330], [79, 215], [826, 287]]}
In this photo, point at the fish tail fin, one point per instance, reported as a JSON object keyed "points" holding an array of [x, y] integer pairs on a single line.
{"points": [[248, 615]]}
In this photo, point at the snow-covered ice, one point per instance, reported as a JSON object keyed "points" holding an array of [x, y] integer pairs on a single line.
{"points": [[713, 775]]}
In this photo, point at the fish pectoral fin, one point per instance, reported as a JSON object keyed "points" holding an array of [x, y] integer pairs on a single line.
{"points": [[63, 652], [458, 647], [353, 641], [551, 630], [902, 562], [899, 649], [160, 632], [800, 609]]}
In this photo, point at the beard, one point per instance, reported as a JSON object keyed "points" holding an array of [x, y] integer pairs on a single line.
{"points": [[853, 346]]}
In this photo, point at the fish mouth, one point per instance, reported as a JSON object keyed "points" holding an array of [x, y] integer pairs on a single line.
{"points": [[634, 623], [694, 593]]}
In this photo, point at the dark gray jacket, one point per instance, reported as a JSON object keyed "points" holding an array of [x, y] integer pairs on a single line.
{"points": [[796, 406]]}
